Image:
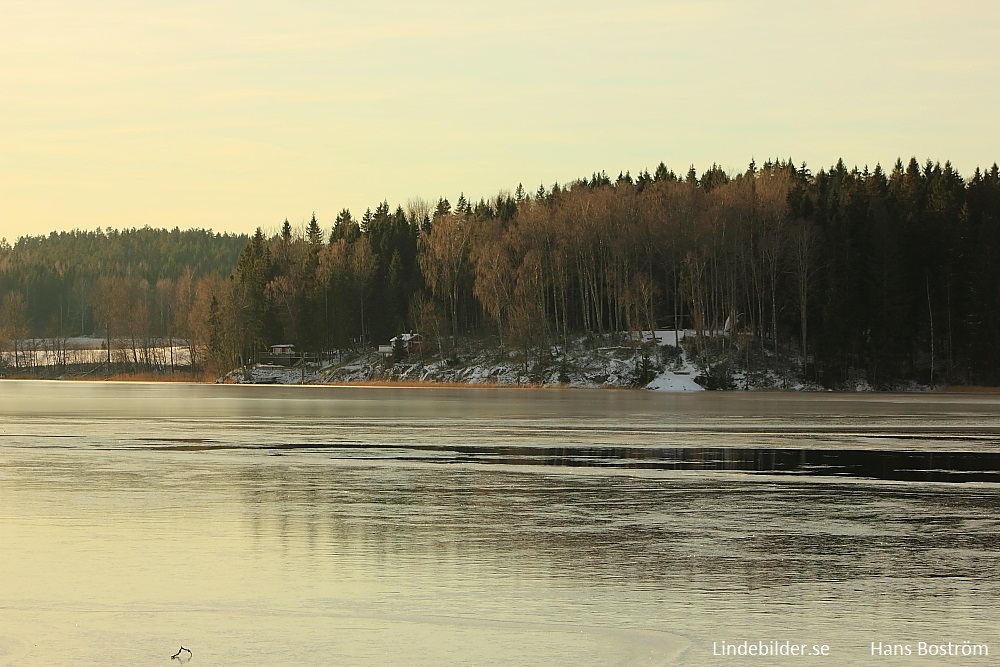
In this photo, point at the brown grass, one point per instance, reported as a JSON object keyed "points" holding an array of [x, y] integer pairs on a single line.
{"points": [[428, 383]]}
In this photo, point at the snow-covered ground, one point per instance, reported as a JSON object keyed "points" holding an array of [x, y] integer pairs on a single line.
{"points": [[679, 376], [675, 381], [583, 363]]}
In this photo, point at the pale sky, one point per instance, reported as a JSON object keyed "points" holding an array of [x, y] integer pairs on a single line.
{"points": [[231, 114]]}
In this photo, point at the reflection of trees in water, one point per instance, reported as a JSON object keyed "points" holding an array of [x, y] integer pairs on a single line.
{"points": [[631, 530]]}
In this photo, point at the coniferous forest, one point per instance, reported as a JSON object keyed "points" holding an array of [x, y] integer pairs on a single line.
{"points": [[892, 275]]}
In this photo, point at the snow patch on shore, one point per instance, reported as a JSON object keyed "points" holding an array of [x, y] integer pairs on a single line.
{"points": [[672, 381]]}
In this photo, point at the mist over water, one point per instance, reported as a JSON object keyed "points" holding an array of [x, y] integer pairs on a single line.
{"points": [[371, 526]]}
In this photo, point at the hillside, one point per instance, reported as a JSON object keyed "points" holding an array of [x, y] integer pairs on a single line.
{"points": [[615, 361]]}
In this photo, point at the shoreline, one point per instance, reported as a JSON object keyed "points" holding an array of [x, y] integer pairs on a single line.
{"points": [[647, 361], [181, 378]]}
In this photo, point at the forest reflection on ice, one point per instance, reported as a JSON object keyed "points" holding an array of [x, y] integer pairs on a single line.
{"points": [[408, 526]]}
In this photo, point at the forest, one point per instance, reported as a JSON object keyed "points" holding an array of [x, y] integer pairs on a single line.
{"points": [[890, 275]]}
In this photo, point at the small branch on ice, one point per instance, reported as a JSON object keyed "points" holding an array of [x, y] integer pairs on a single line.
{"points": [[177, 656]]}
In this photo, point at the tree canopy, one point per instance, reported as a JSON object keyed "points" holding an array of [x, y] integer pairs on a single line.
{"points": [[890, 274]]}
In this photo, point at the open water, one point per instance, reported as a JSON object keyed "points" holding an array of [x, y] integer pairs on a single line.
{"points": [[374, 526]]}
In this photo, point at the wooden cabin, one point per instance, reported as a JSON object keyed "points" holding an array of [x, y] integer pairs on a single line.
{"points": [[411, 341], [282, 355]]}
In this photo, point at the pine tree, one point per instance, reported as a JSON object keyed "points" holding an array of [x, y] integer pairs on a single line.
{"points": [[248, 301], [314, 235], [344, 227], [692, 177], [216, 348], [663, 174], [443, 208], [642, 181]]}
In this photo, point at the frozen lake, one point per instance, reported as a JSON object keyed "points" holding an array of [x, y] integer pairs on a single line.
{"points": [[372, 526]]}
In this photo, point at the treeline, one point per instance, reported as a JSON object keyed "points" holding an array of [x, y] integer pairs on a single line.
{"points": [[850, 272], [888, 275], [138, 287]]}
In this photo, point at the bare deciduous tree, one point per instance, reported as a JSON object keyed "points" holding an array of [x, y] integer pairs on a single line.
{"points": [[443, 257], [14, 326], [362, 267]]}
